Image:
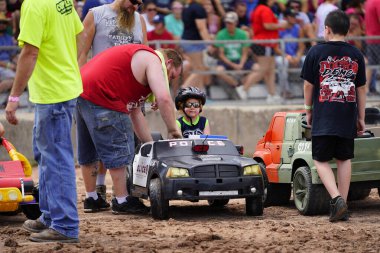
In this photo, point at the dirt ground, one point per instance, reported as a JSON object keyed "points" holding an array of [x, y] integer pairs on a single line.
{"points": [[197, 227]]}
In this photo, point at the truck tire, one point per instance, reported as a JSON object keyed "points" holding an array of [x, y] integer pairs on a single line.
{"points": [[218, 202], [278, 194], [309, 198], [356, 193], [159, 206], [274, 194], [254, 206]]}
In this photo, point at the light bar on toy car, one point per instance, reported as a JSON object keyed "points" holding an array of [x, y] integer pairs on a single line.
{"points": [[252, 170], [174, 172], [205, 136]]}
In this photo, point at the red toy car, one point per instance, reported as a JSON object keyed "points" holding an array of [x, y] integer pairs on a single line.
{"points": [[17, 190]]}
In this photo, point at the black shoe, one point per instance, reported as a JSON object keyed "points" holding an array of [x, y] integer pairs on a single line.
{"points": [[338, 210], [91, 205], [132, 206]]}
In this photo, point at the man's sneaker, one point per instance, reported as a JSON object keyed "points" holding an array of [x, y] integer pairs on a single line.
{"points": [[90, 205], [102, 190], [241, 92], [50, 235], [34, 226], [132, 206], [338, 210]]}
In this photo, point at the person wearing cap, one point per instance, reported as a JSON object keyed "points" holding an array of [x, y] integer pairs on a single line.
{"points": [[160, 33], [293, 56], [7, 57], [233, 56]]}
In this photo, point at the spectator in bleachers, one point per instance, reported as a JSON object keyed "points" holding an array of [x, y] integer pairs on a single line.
{"points": [[265, 26], [320, 15], [243, 23], [160, 33], [194, 18], [232, 56], [7, 57], [228, 5], [294, 52], [213, 20], [173, 21], [163, 6], [89, 4], [372, 24], [302, 19], [8, 14], [149, 12]]}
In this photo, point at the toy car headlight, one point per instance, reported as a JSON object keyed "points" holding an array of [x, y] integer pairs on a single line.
{"points": [[252, 170], [177, 172]]}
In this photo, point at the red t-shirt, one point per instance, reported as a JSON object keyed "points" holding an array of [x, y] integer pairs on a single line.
{"points": [[108, 80], [372, 20], [263, 14], [152, 35]]}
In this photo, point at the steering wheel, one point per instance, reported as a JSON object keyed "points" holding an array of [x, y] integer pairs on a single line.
{"points": [[304, 121]]}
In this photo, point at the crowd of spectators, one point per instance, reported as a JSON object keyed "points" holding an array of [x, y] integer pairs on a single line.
{"points": [[200, 20]]}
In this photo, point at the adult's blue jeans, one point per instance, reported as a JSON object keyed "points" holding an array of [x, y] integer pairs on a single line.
{"points": [[53, 152]]}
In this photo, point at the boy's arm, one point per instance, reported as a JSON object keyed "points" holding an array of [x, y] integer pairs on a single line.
{"points": [[361, 100], [308, 100], [207, 129]]}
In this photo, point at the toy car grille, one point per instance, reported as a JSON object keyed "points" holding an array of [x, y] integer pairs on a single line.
{"points": [[216, 171]]}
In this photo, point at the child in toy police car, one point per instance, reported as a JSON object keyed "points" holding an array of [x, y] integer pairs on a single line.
{"points": [[190, 101]]}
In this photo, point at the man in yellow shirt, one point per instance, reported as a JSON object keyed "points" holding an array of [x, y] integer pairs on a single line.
{"points": [[48, 65]]}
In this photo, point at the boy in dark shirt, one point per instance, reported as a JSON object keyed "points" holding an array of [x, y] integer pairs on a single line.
{"points": [[334, 88]]}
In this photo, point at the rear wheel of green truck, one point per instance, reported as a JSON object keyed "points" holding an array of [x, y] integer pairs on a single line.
{"points": [[159, 206], [309, 198], [356, 193], [254, 206]]}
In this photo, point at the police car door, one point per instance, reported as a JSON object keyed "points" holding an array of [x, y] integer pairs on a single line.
{"points": [[141, 164]]}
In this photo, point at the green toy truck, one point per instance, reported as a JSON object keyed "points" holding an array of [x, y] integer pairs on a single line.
{"points": [[285, 152]]}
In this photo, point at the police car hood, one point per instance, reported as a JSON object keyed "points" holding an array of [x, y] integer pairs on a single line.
{"points": [[202, 160]]}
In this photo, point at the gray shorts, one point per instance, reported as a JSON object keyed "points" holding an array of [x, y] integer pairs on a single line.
{"points": [[104, 135]]}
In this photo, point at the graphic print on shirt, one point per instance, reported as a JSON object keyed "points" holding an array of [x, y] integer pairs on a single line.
{"points": [[117, 37], [135, 104], [189, 132], [337, 77]]}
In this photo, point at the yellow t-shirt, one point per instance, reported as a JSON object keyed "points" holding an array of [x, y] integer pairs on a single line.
{"points": [[52, 26], [151, 98]]}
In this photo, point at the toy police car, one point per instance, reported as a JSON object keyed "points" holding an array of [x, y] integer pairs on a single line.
{"points": [[195, 169]]}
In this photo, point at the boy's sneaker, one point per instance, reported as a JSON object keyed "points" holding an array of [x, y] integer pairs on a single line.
{"points": [[102, 190], [338, 210], [132, 206], [91, 205], [241, 92]]}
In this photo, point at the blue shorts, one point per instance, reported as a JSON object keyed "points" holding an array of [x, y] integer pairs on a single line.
{"points": [[103, 134], [193, 48]]}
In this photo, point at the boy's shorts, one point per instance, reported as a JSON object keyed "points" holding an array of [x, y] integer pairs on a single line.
{"points": [[325, 148], [104, 135]]}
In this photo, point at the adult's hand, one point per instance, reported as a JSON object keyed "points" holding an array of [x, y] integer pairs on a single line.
{"points": [[10, 112], [175, 134], [360, 127]]}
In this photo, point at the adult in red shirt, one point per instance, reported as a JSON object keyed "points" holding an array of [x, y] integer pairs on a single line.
{"points": [[115, 83], [160, 33], [265, 27]]}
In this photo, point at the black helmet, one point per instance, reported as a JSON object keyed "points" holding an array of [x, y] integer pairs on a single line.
{"points": [[189, 92]]}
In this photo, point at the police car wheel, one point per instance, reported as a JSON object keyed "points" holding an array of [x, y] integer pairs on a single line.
{"points": [[159, 206], [254, 206]]}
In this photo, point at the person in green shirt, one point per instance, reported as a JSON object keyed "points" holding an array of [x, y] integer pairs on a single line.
{"points": [[49, 33], [232, 56]]}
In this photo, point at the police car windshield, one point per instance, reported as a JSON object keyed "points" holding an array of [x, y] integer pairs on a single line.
{"points": [[175, 148]]}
